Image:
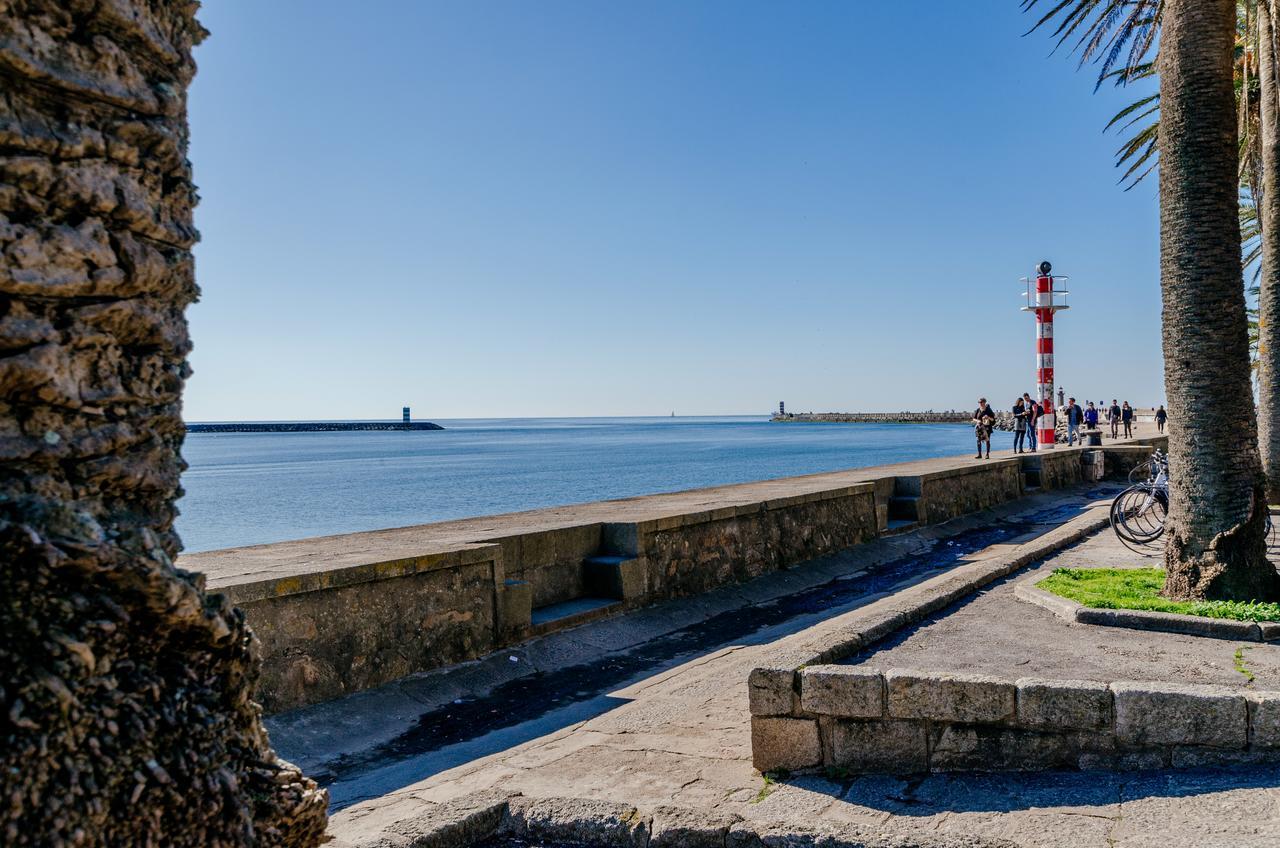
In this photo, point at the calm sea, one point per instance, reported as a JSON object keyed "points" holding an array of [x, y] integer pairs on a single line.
{"points": [[248, 488]]}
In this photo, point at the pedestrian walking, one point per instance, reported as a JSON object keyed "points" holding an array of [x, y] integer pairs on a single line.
{"points": [[1075, 417], [1161, 417], [1126, 417], [1113, 418], [1091, 417], [984, 421], [1019, 425]]}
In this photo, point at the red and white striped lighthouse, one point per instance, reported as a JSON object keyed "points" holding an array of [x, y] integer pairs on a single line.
{"points": [[1044, 300]]}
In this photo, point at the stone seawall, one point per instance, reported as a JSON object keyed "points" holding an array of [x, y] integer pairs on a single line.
{"points": [[339, 614]]}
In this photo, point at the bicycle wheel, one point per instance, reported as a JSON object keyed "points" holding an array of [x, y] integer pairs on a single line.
{"points": [[1138, 515]]}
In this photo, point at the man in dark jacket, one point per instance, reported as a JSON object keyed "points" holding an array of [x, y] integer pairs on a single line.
{"points": [[984, 419], [1075, 417]]}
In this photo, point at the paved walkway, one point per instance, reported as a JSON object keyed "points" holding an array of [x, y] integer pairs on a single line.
{"points": [[682, 737], [996, 633]]}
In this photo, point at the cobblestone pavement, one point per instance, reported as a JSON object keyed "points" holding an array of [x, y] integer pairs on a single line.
{"points": [[682, 737]]}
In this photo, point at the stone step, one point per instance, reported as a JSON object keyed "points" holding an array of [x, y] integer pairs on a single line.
{"points": [[904, 508], [614, 576], [897, 526], [569, 613]]}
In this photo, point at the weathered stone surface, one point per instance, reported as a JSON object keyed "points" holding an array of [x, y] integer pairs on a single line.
{"points": [[841, 690], [680, 827], [1065, 704], [771, 691], [1193, 756], [784, 743], [992, 748], [1264, 719], [878, 623], [1148, 714], [1213, 628], [949, 697], [373, 633], [897, 747], [690, 554], [1124, 760], [128, 689], [577, 820], [969, 490], [453, 825]]}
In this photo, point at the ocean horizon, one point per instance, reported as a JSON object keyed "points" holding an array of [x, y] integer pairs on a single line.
{"points": [[254, 488]]}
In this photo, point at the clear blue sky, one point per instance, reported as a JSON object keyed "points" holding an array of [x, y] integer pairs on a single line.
{"points": [[583, 208]]}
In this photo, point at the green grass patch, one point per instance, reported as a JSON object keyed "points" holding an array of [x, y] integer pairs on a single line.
{"points": [[1139, 589], [1242, 665]]}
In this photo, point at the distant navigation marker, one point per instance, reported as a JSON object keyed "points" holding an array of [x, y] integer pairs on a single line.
{"points": [[782, 409], [405, 417]]}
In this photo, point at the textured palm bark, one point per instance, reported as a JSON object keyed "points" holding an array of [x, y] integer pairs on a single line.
{"points": [[1215, 533], [126, 691], [1269, 278]]}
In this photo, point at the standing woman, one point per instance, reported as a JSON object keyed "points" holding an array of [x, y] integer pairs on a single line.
{"points": [[1126, 417], [1019, 425]]}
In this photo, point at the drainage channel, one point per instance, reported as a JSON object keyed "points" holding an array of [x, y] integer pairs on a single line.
{"points": [[531, 697]]}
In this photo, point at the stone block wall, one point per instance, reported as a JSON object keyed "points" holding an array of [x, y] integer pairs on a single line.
{"points": [[903, 721], [325, 643], [696, 552], [954, 492]]}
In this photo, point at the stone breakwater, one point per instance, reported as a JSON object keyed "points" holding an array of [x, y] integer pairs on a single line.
{"points": [[1004, 420], [312, 427]]}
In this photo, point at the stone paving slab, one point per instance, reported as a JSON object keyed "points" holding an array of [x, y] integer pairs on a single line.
{"points": [[682, 738]]}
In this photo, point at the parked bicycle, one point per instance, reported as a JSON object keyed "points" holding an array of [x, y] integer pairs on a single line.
{"points": [[1138, 513]]}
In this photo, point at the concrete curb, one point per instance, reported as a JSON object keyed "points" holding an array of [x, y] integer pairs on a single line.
{"points": [[1074, 612], [606, 824]]}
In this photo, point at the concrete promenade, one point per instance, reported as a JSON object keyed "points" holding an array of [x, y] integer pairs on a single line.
{"points": [[680, 735]]}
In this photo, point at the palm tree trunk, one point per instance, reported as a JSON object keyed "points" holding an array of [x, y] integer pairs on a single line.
{"points": [[1268, 207], [1215, 545], [126, 690]]}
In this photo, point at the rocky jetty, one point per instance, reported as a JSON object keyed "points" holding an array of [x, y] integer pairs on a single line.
{"points": [[312, 426], [1004, 420]]}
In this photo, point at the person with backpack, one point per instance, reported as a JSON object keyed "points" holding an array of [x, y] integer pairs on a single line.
{"points": [[984, 421]]}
